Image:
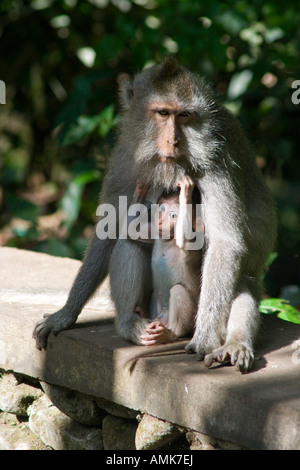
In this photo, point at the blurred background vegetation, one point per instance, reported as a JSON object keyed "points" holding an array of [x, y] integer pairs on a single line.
{"points": [[60, 61]]}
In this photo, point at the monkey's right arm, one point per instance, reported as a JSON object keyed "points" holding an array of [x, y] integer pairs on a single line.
{"points": [[93, 270], [139, 197]]}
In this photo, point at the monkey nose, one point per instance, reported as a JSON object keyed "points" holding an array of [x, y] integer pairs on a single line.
{"points": [[173, 141]]}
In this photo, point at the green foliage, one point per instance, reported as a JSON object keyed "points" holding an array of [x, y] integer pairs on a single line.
{"points": [[85, 125], [71, 200], [281, 308], [60, 61]]}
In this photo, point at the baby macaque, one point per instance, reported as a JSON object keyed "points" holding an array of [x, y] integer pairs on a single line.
{"points": [[175, 269]]}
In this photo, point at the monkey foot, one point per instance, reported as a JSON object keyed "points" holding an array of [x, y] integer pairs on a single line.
{"points": [[192, 348], [50, 323], [240, 356]]}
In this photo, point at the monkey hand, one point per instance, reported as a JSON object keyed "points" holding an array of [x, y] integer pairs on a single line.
{"points": [[51, 323], [157, 333], [186, 185], [141, 190], [240, 355]]}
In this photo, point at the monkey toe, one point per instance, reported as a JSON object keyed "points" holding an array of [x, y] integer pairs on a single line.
{"points": [[239, 355], [190, 348], [244, 361], [193, 347], [200, 355]]}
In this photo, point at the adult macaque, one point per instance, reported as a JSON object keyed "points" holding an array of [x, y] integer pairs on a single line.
{"points": [[172, 126], [175, 269]]}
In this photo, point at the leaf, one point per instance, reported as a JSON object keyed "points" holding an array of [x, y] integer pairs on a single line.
{"points": [[281, 308], [272, 258], [239, 83], [231, 21], [22, 209], [85, 125], [71, 201], [108, 48], [78, 100], [273, 34], [106, 121], [87, 177]]}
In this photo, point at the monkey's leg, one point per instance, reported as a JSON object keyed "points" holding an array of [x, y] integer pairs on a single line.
{"points": [[182, 311], [131, 285], [178, 321], [92, 272], [242, 327], [217, 292]]}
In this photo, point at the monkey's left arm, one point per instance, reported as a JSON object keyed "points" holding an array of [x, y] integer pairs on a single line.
{"points": [[143, 220], [225, 222]]}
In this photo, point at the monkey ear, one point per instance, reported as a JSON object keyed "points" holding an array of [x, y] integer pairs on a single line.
{"points": [[126, 90]]}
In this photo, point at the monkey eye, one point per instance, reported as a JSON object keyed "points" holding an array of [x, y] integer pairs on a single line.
{"points": [[163, 112], [162, 208], [173, 215], [184, 114]]}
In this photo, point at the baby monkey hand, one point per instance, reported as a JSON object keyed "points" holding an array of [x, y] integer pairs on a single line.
{"points": [[157, 333], [186, 185], [141, 190]]}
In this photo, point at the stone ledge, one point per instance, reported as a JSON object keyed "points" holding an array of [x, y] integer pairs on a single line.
{"points": [[259, 410]]}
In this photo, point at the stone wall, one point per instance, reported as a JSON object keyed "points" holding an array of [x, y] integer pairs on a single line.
{"points": [[98, 379], [38, 416]]}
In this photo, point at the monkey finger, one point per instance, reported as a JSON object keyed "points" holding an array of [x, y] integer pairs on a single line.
{"points": [[189, 182], [244, 361], [155, 331], [141, 188], [186, 183], [223, 356], [154, 324], [147, 343], [148, 340], [154, 335], [219, 355], [146, 337], [142, 184], [40, 336], [235, 355], [208, 360]]}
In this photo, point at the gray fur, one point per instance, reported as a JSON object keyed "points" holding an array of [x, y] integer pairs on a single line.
{"points": [[239, 218]]}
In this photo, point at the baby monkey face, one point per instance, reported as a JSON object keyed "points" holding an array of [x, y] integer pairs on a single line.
{"points": [[167, 216]]}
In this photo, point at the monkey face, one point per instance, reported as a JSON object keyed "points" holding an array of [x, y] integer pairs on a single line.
{"points": [[170, 126], [167, 217], [169, 120], [163, 154]]}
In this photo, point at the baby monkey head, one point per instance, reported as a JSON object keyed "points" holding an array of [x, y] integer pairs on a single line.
{"points": [[168, 210]]}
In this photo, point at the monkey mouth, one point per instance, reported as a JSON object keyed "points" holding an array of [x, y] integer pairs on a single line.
{"points": [[166, 158]]}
